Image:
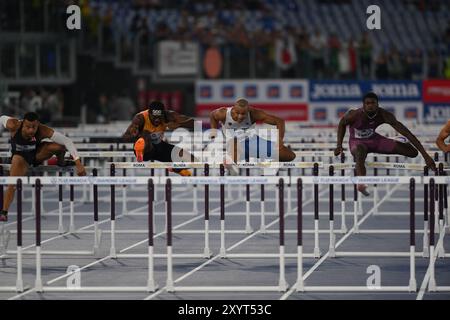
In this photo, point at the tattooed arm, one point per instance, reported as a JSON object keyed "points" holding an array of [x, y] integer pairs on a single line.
{"points": [[134, 129]]}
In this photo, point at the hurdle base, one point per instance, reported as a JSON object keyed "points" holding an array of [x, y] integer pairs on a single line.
{"points": [[38, 285], [169, 286], [317, 253], [425, 253], [152, 286], [207, 253], [248, 230], [412, 285], [331, 252], [282, 285], [61, 229], [432, 285]]}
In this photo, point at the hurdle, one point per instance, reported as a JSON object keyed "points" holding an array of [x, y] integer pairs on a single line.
{"points": [[412, 286], [151, 285], [436, 249], [282, 284], [19, 268]]}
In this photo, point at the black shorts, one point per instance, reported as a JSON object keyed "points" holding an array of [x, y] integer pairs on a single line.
{"points": [[160, 152], [29, 157]]}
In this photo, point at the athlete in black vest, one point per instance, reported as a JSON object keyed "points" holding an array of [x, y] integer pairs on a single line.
{"points": [[28, 150]]}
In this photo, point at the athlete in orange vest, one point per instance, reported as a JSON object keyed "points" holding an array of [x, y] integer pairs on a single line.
{"points": [[147, 132]]}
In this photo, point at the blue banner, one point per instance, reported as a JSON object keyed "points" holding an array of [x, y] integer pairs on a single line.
{"points": [[339, 91], [436, 113]]}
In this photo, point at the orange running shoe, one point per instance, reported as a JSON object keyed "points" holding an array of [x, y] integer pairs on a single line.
{"points": [[181, 172], [139, 147]]}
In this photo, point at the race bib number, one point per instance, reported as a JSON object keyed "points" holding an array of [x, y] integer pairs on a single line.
{"points": [[363, 134], [156, 137]]}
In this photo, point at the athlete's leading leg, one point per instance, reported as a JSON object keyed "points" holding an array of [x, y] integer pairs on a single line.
{"points": [[286, 154], [360, 154]]}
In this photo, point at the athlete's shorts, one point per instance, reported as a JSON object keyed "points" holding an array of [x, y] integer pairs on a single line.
{"points": [[160, 152], [29, 157], [375, 144], [258, 148]]}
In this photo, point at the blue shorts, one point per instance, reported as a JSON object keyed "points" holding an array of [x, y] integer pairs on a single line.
{"points": [[259, 148]]}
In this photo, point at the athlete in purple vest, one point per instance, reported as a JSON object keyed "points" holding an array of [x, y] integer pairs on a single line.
{"points": [[364, 139]]}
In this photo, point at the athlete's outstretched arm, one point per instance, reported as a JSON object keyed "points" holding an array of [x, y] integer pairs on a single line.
{"points": [[444, 134], [389, 118], [216, 116], [11, 124], [134, 129], [59, 138], [177, 120], [259, 115], [342, 128]]}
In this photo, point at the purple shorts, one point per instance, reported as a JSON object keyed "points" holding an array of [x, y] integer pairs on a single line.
{"points": [[375, 144]]}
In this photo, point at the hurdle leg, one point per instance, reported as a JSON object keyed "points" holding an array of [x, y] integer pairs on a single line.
{"points": [[360, 206], [432, 282], [332, 240], [206, 250], [375, 200], [151, 284], [300, 284], [60, 211], [222, 239], [19, 280], [289, 196], [60, 218], [72, 217], [124, 200], [263, 221], [90, 194], [343, 223], [169, 282], [425, 239], [38, 282], [282, 284], [195, 200], [42, 201], [317, 252], [355, 217], [440, 248], [248, 228], [412, 263], [72, 222]]}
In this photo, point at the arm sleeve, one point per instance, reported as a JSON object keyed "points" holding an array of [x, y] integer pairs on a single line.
{"points": [[63, 140], [4, 120]]}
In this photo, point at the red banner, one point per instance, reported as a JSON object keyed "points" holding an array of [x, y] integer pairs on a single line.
{"points": [[436, 91]]}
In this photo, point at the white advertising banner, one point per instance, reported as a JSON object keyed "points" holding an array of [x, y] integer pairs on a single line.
{"points": [[177, 58]]}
